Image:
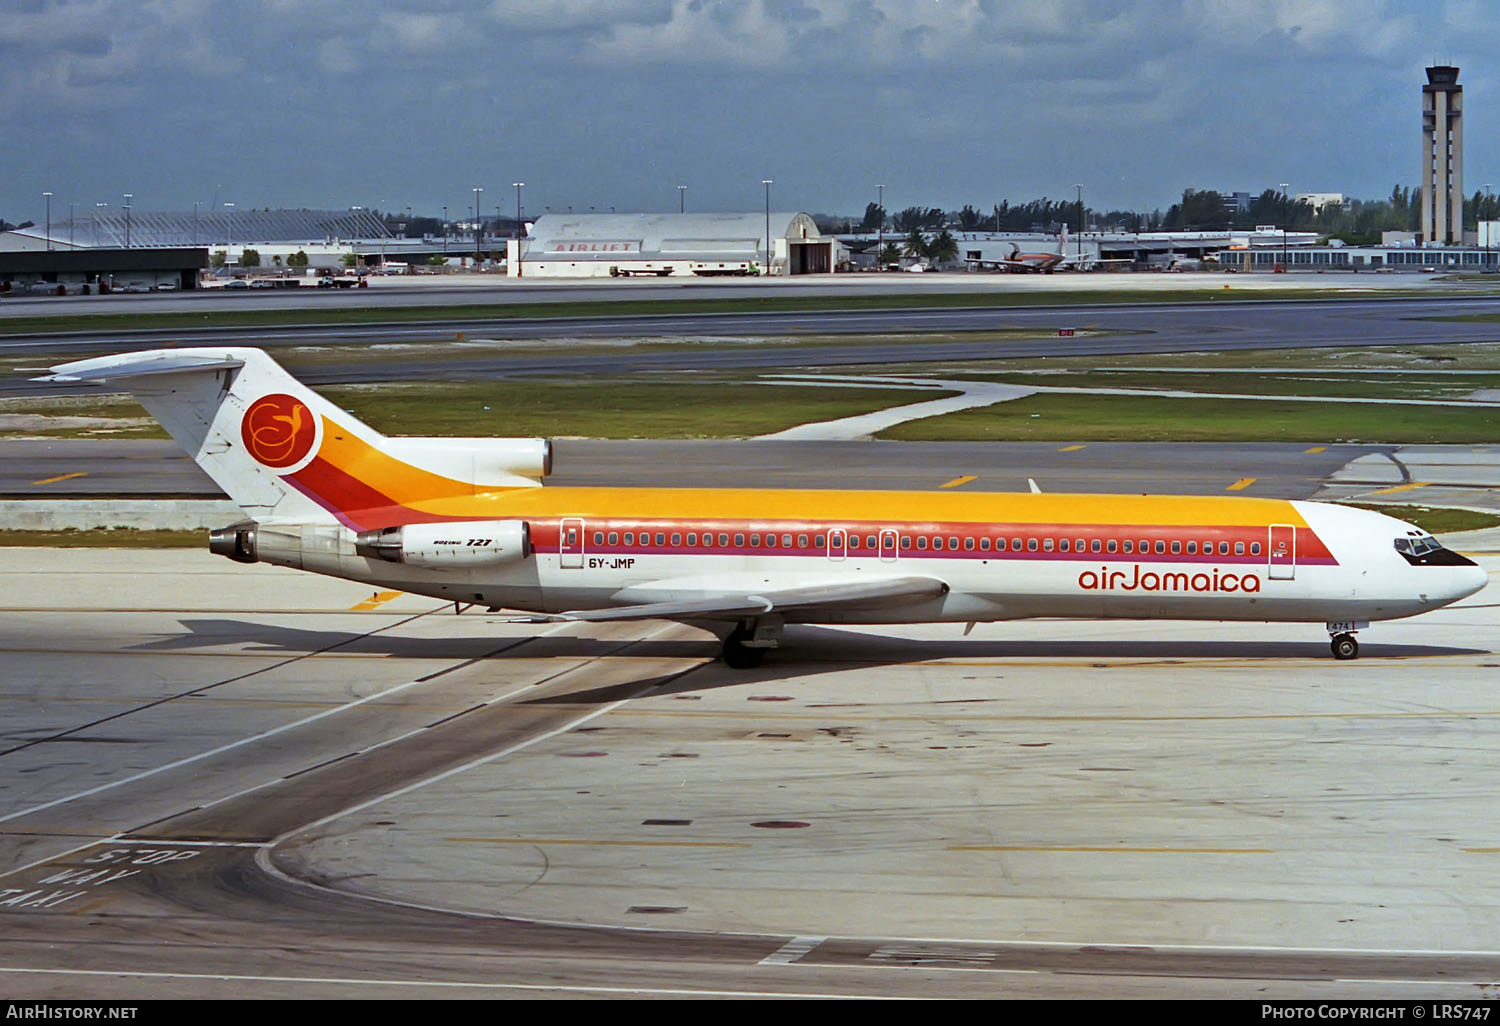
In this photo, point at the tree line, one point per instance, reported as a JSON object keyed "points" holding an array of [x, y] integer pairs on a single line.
{"points": [[1355, 221]]}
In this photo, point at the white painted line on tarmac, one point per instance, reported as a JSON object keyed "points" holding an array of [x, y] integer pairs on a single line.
{"points": [[123, 974], [792, 950], [231, 746]]}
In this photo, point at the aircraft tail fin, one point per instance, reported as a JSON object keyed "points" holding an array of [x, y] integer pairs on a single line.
{"points": [[284, 453]]}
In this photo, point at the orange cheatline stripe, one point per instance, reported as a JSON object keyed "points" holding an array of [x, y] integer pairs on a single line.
{"points": [[957, 481]]}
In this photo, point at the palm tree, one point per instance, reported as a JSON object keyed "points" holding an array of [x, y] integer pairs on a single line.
{"points": [[943, 249], [890, 255], [915, 246]]}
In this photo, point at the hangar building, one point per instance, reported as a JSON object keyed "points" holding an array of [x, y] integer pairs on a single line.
{"points": [[589, 245]]}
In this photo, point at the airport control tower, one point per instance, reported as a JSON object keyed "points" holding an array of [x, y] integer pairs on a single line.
{"points": [[1442, 157]]}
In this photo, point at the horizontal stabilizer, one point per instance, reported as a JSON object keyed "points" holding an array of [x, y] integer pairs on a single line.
{"points": [[729, 606], [134, 365]]}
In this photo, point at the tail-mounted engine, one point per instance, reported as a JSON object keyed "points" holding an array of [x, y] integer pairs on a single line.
{"points": [[456, 544]]}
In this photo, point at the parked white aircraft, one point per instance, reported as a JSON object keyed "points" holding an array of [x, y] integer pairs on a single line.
{"points": [[467, 519]]}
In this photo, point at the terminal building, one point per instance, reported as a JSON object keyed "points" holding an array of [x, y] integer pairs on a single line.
{"points": [[705, 245]]}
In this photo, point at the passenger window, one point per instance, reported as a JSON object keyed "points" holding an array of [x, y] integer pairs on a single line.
{"points": [[1094, 545], [906, 541], [969, 544], [922, 543], [1223, 548], [999, 544], [953, 544], [818, 541], [629, 537], [1030, 544], [693, 538], [1062, 546], [723, 540], [801, 541], [1192, 548], [1176, 547], [598, 537], [1129, 546], [614, 537], [661, 538], [786, 541], [676, 540], [1255, 548], [755, 541], [984, 545], [1239, 548], [869, 541], [1080, 546], [739, 541], [1047, 544], [1161, 547]]}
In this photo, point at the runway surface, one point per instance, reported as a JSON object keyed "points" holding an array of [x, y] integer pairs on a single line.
{"points": [[225, 780], [90, 467], [742, 341]]}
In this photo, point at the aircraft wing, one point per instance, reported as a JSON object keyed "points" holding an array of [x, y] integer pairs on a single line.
{"points": [[851, 595]]}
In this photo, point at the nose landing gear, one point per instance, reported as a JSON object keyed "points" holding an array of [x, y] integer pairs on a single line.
{"points": [[1345, 647]]}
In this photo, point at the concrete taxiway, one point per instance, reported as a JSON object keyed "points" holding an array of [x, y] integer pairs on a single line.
{"points": [[227, 780]]}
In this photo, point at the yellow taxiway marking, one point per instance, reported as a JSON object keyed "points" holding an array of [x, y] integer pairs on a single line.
{"points": [[1480, 851], [585, 841], [958, 481], [380, 598], [1072, 448], [1402, 488], [62, 477], [1086, 850], [1316, 448], [1242, 484]]}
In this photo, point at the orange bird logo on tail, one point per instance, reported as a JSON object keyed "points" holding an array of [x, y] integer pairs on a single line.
{"points": [[279, 430]]}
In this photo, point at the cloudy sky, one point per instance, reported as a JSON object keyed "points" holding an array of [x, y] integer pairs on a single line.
{"points": [[615, 103]]}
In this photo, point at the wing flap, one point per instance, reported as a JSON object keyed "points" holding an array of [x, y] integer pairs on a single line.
{"points": [[726, 606]]}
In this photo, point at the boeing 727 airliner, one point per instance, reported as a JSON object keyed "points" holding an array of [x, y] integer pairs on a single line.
{"points": [[468, 520]]}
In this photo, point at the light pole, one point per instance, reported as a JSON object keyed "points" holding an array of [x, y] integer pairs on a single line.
{"points": [[128, 198], [97, 207], [195, 222], [519, 186], [48, 197], [1488, 209], [229, 229], [70, 225], [879, 227], [478, 226], [767, 183], [1080, 221], [682, 199], [1286, 213]]}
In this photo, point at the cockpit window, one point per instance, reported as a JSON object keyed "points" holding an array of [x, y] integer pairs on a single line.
{"points": [[1426, 551]]}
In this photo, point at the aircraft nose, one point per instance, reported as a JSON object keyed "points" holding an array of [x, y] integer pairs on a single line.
{"points": [[1466, 580]]}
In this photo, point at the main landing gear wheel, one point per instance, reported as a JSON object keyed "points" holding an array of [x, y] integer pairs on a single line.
{"points": [[1345, 647], [737, 654]]}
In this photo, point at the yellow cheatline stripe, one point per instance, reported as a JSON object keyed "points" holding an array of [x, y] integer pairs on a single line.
{"points": [[1072, 448], [797, 504], [1242, 484], [380, 598], [582, 841], [1086, 850], [1316, 448], [62, 477], [958, 481], [1402, 488]]}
